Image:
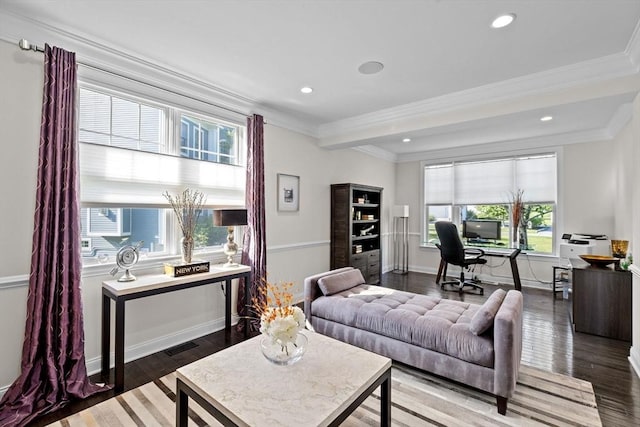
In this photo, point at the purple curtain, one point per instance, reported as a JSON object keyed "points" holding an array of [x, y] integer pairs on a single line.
{"points": [[254, 253], [53, 363]]}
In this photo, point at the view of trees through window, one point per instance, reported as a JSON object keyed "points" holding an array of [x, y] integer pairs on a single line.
{"points": [[538, 217]]}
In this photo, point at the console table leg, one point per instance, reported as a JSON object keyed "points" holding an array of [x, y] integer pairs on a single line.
{"points": [[247, 301], [516, 273], [119, 346], [227, 305], [106, 337]]}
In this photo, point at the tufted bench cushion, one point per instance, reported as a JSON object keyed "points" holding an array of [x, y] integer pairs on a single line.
{"points": [[430, 322]]}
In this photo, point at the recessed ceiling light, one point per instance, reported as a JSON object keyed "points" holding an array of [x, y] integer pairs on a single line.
{"points": [[406, 140], [503, 20], [371, 67], [546, 118], [306, 89]]}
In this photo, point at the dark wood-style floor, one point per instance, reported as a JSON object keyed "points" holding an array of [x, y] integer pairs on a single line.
{"points": [[548, 343]]}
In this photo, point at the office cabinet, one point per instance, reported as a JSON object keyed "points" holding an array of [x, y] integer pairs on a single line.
{"points": [[601, 301], [356, 221]]}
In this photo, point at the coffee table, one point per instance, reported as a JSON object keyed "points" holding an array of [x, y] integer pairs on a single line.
{"points": [[239, 387]]}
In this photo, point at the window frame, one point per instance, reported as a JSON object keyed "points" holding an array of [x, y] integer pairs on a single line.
{"points": [[478, 157], [171, 147]]}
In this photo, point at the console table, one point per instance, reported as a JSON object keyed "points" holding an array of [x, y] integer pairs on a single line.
{"points": [[511, 253], [145, 286]]}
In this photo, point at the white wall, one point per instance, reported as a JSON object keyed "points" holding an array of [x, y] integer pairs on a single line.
{"points": [[20, 101], [630, 147], [298, 242], [588, 175]]}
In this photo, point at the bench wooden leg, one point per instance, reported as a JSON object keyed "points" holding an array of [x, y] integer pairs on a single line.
{"points": [[502, 405]]}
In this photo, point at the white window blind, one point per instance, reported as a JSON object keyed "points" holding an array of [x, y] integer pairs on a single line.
{"points": [[492, 181], [438, 185], [113, 176], [487, 182], [128, 159], [537, 177]]}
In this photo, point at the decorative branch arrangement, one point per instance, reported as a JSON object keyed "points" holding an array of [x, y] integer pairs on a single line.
{"points": [[517, 213], [187, 207]]}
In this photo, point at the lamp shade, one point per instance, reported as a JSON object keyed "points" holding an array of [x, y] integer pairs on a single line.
{"points": [[229, 217], [401, 211]]}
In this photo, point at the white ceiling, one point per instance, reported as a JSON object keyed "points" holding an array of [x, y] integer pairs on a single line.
{"points": [[450, 81]]}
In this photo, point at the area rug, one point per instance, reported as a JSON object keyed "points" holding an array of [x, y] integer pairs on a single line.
{"points": [[418, 399]]}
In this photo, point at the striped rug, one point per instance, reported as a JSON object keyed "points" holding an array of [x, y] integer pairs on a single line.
{"points": [[418, 399]]}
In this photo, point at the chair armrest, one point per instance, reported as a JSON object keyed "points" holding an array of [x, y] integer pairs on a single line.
{"points": [[477, 252]]}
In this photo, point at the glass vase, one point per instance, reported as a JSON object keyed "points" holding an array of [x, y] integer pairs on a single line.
{"points": [[186, 249], [283, 353]]}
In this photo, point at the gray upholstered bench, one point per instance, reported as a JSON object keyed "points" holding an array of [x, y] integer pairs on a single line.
{"points": [[478, 345]]}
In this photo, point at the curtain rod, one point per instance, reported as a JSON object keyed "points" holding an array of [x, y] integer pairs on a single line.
{"points": [[26, 45]]}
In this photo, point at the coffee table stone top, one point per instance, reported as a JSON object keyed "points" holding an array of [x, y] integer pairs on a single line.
{"points": [[250, 390]]}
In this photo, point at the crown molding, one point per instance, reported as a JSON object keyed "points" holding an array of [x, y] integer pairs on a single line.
{"points": [[102, 63], [633, 48], [377, 152], [544, 82], [619, 120], [96, 53], [523, 145]]}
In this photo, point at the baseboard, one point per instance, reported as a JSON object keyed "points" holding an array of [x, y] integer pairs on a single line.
{"points": [[634, 359], [155, 345]]}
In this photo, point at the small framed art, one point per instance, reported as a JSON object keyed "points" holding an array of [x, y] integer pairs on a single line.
{"points": [[288, 193]]}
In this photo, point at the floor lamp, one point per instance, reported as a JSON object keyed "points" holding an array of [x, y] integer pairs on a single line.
{"points": [[401, 239]]}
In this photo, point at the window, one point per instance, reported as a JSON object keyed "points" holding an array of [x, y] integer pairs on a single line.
{"points": [[131, 153], [108, 120], [207, 141], [482, 190]]}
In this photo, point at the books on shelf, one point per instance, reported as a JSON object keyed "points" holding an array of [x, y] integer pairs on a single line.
{"points": [[357, 249]]}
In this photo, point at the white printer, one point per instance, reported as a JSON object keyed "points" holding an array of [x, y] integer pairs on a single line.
{"points": [[584, 244]]}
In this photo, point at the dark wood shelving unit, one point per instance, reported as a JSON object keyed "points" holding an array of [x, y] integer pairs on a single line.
{"points": [[357, 209]]}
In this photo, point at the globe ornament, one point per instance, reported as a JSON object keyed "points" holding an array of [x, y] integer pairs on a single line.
{"points": [[126, 258]]}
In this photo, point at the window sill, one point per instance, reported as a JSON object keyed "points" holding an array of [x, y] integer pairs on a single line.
{"points": [[149, 263]]}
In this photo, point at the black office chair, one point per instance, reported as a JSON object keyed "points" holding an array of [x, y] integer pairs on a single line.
{"points": [[453, 252]]}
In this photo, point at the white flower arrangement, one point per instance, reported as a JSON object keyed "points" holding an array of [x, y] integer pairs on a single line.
{"points": [[279, 319], [282, 324]]}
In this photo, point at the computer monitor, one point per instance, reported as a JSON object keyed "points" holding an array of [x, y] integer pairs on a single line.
{"points": [[481, 229]]}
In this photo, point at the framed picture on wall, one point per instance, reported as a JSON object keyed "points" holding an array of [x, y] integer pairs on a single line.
{"points": [[288, 193]]}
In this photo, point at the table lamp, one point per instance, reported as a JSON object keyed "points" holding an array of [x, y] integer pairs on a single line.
{"points": [[230, 218]]}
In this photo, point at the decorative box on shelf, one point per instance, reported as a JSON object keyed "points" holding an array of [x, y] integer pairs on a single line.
{"points": [[179, 269]]}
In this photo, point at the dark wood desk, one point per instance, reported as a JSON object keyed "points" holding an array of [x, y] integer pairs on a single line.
{"points": [[146, 286], [510, 253]]}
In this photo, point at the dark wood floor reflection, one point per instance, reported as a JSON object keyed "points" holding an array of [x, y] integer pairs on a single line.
{"points": [[548, 343]]}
